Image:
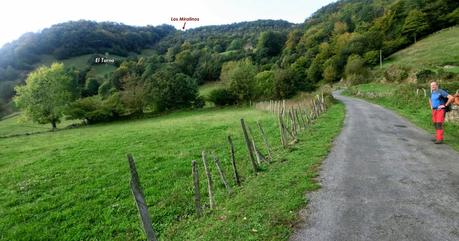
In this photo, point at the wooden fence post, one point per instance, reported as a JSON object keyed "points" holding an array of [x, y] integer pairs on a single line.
{"points": [[221, 173], [286, 130], [265, 140], [300, 112], [298, 121], [259, 157], [233, 162], [292, 121], [140, 200], [282, 134], [197, 193], [209, 181], [249, 147]]}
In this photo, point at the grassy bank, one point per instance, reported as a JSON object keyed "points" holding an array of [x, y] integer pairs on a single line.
{"points": [[74, 184], [402, 99], [436, 50]]}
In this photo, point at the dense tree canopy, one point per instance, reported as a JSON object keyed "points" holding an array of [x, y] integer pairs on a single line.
{"points": [[45, 95]]}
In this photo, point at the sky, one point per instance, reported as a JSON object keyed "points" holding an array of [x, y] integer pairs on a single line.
{"points": [[20, 16]]}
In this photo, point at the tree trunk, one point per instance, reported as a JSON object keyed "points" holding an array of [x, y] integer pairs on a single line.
{"points": [[54, 125]]}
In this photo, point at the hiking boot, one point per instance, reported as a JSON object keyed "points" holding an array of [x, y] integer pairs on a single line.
{"points": [[439, 142]]}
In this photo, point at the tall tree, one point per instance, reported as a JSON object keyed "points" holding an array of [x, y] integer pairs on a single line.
{"points": [[170, 89], [415, 24], [242, 80], [45, 95], [270, 44]]}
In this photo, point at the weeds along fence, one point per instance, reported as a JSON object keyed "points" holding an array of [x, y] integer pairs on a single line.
{"points": [[292, 117]]}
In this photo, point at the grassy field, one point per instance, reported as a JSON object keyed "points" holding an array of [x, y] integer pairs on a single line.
{"points": [[436, 50], [81, 62], [413, 108], [16, 125], [74, 184], [205, 89]]}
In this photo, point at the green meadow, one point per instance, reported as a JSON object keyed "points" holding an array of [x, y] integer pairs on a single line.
{"points": [[436, 50], [73, 184]]}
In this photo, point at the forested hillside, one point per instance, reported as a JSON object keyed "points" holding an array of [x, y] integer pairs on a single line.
{"points": [[342, 38], [71, 39], [265, 59]]}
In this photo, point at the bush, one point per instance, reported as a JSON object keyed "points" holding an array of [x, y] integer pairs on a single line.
{"points": [[222, 97], [242, 80], [445, 75], [265, 85], [395, 73], [167, 89], [105, 89], [198, 103], [91, 109], [371, 57], [330, 73], [355, 70], [451, 87], [424, 75], [285, 86], [91, 87]]}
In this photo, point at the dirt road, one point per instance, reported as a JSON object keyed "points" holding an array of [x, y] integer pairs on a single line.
{"points": [[383, 180]]}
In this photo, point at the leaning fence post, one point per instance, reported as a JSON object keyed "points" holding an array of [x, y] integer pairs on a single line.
{"points": [[249, 147], [282, 134], [233, 162], [303, 121], [140, 200], [254, 147], [221, 173], [298, 121], [265, 139], [197, 193], [209, 181]]}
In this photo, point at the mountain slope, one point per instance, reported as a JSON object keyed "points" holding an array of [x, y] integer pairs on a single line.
{"points": [[75, 38], [436, 50]]}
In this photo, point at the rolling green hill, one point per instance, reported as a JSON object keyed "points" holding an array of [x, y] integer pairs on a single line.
{"points": [[437, 50]]}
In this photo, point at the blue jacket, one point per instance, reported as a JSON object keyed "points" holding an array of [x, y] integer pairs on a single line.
{"points": [[438, 98]]}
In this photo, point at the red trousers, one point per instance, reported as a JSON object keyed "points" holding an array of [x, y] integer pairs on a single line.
{"points": [[438, 117]]}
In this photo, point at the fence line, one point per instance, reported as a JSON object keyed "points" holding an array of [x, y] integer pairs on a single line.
{"points": [[292, 118]]}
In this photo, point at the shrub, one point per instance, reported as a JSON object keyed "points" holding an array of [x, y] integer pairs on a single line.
{"points": [[355, 70], [265, 85], [285, 86], [167, 89], [242, 80], [91, 87], [199, 102], [424, 75], [105, 89], [395, 73], [94, 109], [330, 73], [371, 57], [221, 97], [445, 75]]}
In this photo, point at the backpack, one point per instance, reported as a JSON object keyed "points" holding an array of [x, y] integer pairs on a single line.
{"points": [[444, 99]]}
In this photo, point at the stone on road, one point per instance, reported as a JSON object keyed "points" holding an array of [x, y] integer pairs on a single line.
{"points": [[384, 179]]}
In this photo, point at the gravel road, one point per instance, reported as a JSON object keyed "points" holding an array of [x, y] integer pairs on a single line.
{"points": [[384, 179]]}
